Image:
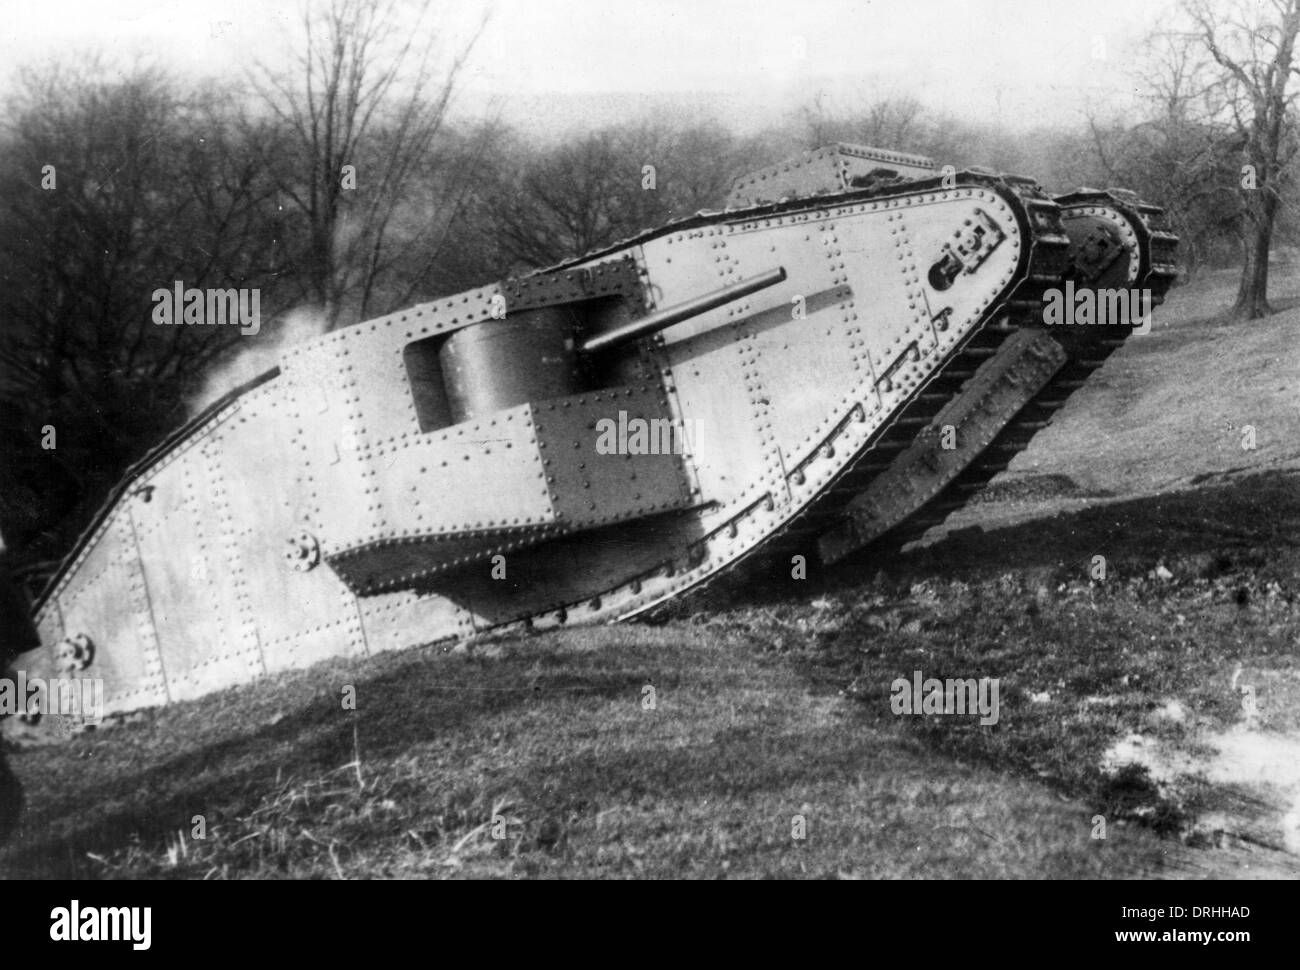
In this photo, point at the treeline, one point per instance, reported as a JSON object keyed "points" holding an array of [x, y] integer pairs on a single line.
{"points": [[340, 200]]}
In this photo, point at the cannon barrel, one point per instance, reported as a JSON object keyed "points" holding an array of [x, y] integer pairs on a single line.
{"points": [[669, 316]]}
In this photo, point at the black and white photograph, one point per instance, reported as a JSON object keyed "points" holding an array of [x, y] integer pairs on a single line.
{"points": [[646, 440]]}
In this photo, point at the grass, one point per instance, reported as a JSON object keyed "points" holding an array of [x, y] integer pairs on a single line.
{"points": [[541, 757], [549, 741]]}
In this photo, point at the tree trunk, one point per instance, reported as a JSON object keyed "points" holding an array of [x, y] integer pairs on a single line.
{"points": [[1252, 292]]}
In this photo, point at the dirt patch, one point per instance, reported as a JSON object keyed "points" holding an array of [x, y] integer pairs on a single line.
{"points": [[1246, 785]]}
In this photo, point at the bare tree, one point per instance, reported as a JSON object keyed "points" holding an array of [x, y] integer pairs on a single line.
{"points": [[1252, 46], [363, 111], [888, 122], [562, 201], [1183, 154], [111, 187], [588, 192]]}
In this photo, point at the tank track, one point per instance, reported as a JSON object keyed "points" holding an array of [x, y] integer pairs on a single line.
{"points": [[1088, 350]]}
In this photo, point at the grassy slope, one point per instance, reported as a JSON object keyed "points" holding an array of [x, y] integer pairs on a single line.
{"points": [[772, 701], [552, 736], [1168, 410]]}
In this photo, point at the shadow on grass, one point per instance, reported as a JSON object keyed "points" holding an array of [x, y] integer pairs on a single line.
{"points": [[96, 798], [1079, 662], [1250, 522]]}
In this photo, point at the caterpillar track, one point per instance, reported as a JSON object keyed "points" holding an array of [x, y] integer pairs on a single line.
{"points": [[1151, 266], [840, 359]]}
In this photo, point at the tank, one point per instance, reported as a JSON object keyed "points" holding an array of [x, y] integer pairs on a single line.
{"points": [[833, 363]]}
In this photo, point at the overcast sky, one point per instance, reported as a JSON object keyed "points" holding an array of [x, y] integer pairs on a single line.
{"points": [[559, 64]]}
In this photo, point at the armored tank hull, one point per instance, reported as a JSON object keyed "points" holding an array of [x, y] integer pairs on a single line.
{"points": [[840, 358]]}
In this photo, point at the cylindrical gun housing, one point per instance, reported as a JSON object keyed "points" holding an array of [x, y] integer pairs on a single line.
{"points": [[499, 364]]}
